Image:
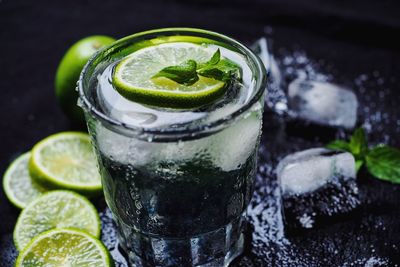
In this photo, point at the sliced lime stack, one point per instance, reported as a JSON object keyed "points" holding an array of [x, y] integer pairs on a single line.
{"points": [[133, 76], [18, 185], [55, 209], [64, 247], [66, 161]]}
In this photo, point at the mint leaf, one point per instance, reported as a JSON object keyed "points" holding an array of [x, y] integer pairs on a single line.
{"points": [[212, 72], [384, 163], [215, 58], [339, 145], [224, 70], [216, 68], [230, 68], [184, 73], [213, 61], [358, 144], [345, 146]]}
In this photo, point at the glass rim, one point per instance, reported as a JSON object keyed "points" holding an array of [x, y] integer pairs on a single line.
{"points": [[260, 84]]}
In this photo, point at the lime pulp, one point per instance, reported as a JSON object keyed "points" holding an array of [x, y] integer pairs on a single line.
{"points": [[18, 185], [55, 209], [66, 161], [133, 76], [64, 247]]}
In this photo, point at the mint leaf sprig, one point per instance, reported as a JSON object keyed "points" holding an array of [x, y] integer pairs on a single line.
{"points": [[187, 73], [382, 161], [184, 73]]}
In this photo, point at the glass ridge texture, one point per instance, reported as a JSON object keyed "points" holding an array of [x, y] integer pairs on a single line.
{"points": [[178, 194]]}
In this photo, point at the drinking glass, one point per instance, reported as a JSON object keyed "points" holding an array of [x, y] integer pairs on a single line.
{"points": [[177, 194]]}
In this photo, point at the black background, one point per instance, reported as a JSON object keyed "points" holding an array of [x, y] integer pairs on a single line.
{"points": [[353, 37]]}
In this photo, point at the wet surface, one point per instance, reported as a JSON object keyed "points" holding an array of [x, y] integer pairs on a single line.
{"points": [[364, 237], [361, 58]]}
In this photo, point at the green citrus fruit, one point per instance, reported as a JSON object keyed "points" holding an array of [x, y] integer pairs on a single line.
{"points": [[66, 161], [55, 209], [133, 76], [69, 70], [62, 248], [18, 185]]}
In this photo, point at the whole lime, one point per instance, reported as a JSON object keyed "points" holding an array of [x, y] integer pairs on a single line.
{"points": [[69, 70]]}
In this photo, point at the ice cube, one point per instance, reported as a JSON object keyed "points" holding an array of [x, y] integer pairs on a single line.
{"points": [[121, 148], [132, 113], [275, 98], [226, 149], [323, 103], [140, 152], [235, 144], [316, 184], [260, 47], [310, 169]]}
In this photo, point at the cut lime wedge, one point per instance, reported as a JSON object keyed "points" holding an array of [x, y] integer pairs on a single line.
{"points": [[64, 247], [66, 161], [133, 76], [18, 185], [55, 209]]}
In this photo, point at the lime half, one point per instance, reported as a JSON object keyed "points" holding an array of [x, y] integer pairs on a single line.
{"points": [[64, 247], [18, 185], [133, 76], [66, 161], [55, 209]]}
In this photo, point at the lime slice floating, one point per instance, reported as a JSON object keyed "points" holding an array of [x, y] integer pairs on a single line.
{"points": [[18, 185], [66, 161], [133, 77], [64, 247], [55, 209]]}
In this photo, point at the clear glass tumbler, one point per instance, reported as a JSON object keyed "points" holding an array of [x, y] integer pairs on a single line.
{"points": [[178, 194]]}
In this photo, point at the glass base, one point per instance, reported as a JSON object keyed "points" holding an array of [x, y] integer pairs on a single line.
{"points": [[216, 248]]}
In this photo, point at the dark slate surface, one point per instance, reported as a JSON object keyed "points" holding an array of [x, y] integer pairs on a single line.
{"points": [[352, 41]]}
